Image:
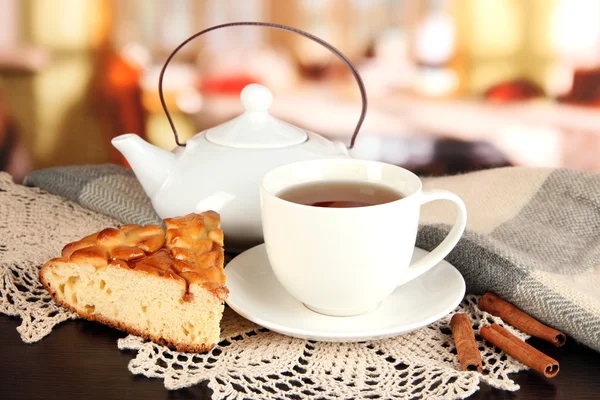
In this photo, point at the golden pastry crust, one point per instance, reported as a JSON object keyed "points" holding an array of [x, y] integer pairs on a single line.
{"points": [[92, 276], [196, 243], [191, 251]]}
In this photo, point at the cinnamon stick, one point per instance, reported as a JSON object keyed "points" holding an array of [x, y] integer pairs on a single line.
{"points": [[466, 347], [493, 304], [516, 348]]}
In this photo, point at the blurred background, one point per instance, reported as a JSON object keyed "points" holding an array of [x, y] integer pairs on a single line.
{"points": [[453, 85]]}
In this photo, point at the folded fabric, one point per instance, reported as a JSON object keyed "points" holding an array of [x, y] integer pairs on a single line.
{"points": [[108, 189], [533, 235]]}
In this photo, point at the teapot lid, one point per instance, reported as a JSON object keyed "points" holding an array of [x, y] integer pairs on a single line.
{"points": [[256, 128]]}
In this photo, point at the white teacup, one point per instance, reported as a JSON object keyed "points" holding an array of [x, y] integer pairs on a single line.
{"points": [[346, 261]]}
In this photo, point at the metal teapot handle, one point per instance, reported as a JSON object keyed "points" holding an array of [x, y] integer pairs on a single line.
{"points": [[359, 81]]}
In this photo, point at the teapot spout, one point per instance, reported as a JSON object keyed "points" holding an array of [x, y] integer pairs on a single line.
{"points": [[151, 165]]}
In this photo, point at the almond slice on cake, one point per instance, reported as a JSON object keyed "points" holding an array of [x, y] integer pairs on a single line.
{"points": [[168, 287]]}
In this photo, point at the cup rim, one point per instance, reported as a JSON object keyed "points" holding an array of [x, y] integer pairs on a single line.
{"points": [[294, 164]]}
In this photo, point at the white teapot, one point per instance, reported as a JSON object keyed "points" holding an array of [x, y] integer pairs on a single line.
{"points": [[221, 168]]}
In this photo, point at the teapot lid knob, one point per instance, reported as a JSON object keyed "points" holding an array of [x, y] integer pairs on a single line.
{"points": [[256, 97], [256, 128]]}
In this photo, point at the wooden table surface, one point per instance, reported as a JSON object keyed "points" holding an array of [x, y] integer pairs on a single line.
{"points": [[80, 360]]}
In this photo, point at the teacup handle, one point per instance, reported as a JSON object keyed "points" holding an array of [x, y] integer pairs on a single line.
{"points": [[436, 255]]}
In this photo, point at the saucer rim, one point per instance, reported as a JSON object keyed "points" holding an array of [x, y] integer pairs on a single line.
{"points": [[353, 336]]}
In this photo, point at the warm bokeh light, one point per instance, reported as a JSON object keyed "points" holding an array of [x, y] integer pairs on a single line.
{"points": [[575, 31], [519, 76]]}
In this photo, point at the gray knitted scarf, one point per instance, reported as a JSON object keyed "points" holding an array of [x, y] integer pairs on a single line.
{"points": [[533, 235]]}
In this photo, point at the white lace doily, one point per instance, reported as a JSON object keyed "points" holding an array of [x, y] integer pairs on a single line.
{"points": [[250, 361]]}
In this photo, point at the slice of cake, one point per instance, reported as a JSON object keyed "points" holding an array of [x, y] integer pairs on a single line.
{"points": [[166, 287]]}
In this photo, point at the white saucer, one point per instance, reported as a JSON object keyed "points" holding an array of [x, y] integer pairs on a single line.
{"points": [[256, 294]]}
